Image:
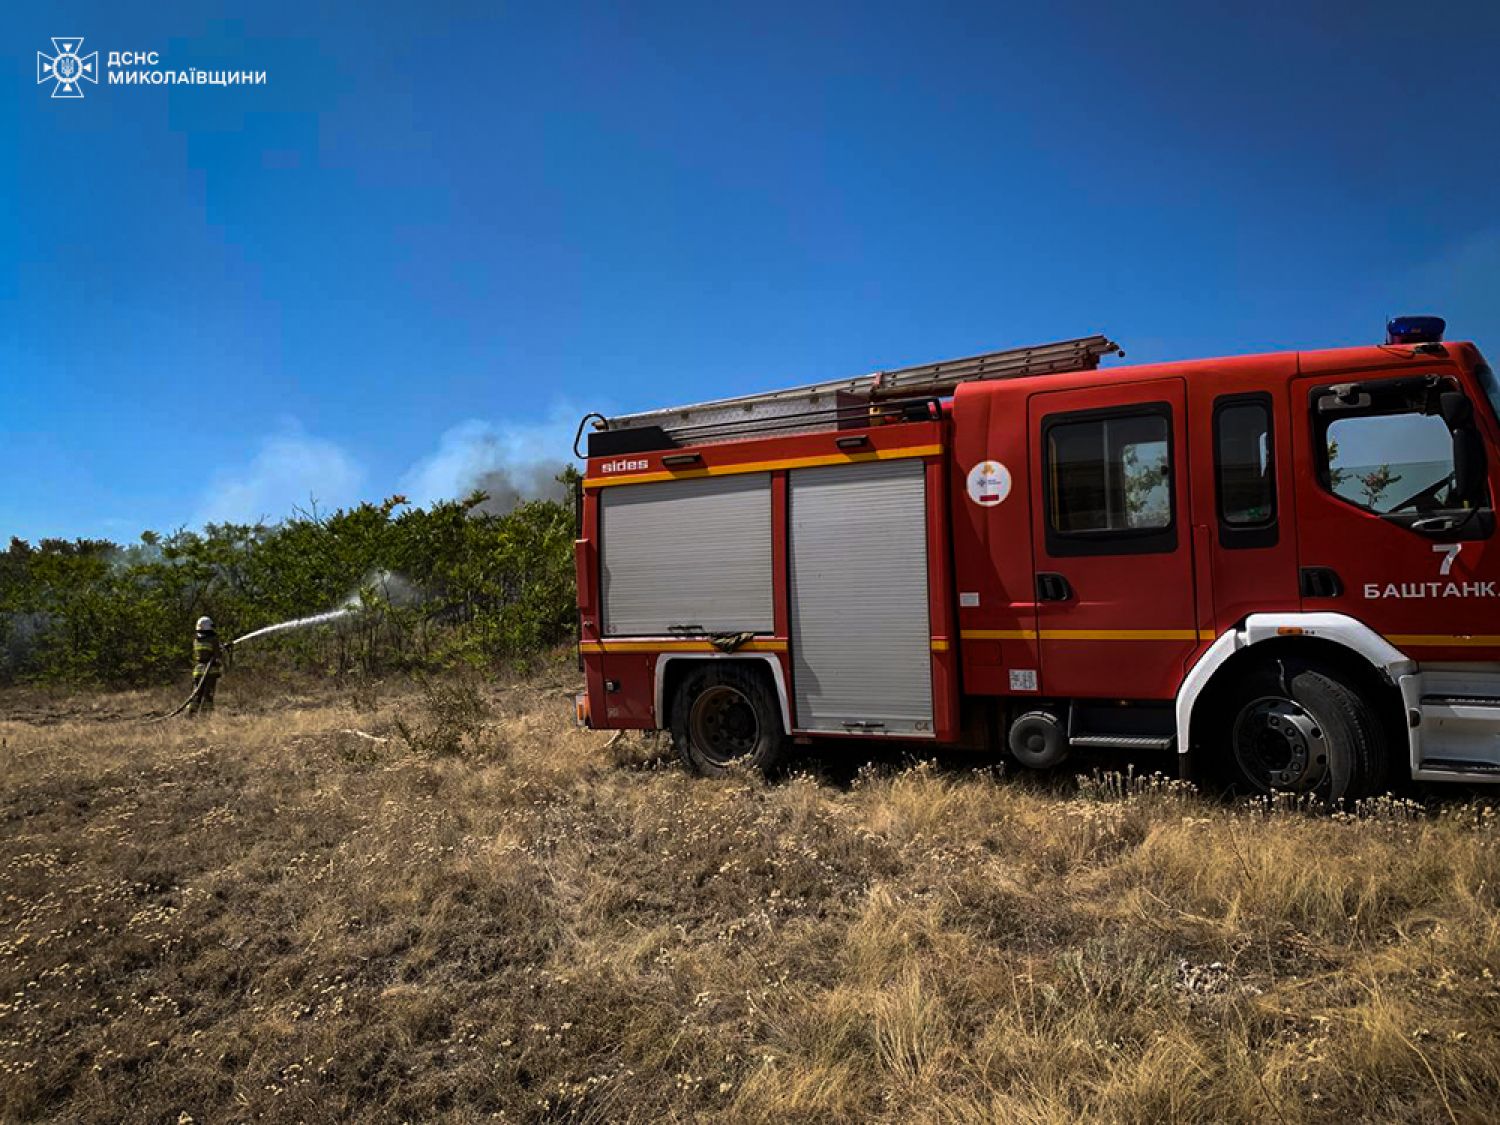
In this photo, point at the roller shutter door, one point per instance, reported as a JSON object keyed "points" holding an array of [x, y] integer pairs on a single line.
{"points": [[861, 641], [687, 553]]}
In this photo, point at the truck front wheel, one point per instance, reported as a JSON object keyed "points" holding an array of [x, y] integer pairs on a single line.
{"points": [[724, 713], [1295, 728]]}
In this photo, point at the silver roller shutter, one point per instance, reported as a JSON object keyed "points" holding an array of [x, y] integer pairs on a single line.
{"points": [[861, 643], [687, 553]]}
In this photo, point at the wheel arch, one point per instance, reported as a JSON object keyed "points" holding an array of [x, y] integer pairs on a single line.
{"points": [[671, 667], [1341, 644]]}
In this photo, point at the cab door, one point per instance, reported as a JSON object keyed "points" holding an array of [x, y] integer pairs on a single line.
{"points": [[1111, 540], [1384, 533]]}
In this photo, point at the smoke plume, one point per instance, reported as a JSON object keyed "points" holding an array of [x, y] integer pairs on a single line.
{"points": [[290, 469], [386, 586], [512, 463]]}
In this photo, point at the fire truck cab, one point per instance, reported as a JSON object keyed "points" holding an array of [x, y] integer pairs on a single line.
{"points": [[1281, 566]]}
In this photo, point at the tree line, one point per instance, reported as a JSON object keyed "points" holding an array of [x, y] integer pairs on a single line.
{"points": [[429, 586]]}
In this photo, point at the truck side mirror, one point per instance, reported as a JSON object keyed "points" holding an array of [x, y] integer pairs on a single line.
{"points": [[1468, 466], [1468, 448], [1456, 409]]}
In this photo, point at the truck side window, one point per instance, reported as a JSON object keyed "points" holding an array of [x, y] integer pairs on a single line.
{"points": [[1245, 471], [1109, 481], [1390, 462], [1383, 446]]}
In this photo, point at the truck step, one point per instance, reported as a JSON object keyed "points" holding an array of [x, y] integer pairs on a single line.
{"points": [[1459, 767], [1461, 701], [1122, 741], [1458, 732]]}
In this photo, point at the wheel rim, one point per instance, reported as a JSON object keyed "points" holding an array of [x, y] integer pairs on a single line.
{"points": [[723, 724], [1280, 746]]}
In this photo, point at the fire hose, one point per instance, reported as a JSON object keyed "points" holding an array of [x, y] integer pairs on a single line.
{"points": [[228, 647]]}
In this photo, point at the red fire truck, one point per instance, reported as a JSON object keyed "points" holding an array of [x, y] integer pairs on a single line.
{"points": [[1280, 565]]}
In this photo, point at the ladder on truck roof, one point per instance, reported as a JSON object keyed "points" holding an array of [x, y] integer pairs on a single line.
{"points": [[838, 403]]}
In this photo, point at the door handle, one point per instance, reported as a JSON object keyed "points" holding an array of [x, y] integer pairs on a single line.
{"points": [[1052, 588], [1435, 524], [1320, 582]]}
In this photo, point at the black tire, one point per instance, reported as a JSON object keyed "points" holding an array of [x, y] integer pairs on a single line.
{"points": [[1294, 727], [725, 714]]}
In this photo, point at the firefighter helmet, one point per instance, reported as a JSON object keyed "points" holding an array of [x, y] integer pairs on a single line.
{"points": [[205, 624]]}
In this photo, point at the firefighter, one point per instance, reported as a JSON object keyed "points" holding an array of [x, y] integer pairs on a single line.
{"points": [[208, 665]]}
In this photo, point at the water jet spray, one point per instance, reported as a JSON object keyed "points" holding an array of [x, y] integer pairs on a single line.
{"points": [[393, 589]]}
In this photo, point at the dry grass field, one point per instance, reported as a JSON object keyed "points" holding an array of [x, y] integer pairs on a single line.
{"points": [[263, 916]]}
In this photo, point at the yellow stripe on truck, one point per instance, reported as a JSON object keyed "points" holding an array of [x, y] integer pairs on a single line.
{"points": [[675, 645], [940, 644], [1120, 634], [1440, 640], [765, 466], [1086, 635]]}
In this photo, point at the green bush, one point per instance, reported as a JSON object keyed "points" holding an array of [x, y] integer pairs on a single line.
{"points": [[473, 587], [451, 721]]}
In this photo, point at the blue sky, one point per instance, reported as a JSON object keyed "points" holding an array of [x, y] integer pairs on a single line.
{"points": [[441, 232]]}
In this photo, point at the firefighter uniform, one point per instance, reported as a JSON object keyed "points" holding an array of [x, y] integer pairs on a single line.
{"points": [[208, 665]]}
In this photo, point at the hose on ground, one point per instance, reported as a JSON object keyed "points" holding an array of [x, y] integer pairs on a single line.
{"points": [[186, 703], [181, 707]]}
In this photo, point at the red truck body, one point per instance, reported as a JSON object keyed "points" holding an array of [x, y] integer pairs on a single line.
{"points": [[1093, 558]]}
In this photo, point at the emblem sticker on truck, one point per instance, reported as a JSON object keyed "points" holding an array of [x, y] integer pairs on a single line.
{"points": [[989, 483]]}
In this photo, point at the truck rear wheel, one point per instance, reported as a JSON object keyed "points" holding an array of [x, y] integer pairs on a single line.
{"points": [[724, 714], [1296, 728]]}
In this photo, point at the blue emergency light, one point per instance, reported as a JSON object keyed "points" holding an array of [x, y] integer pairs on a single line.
{"points": [[1415, 329]]}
